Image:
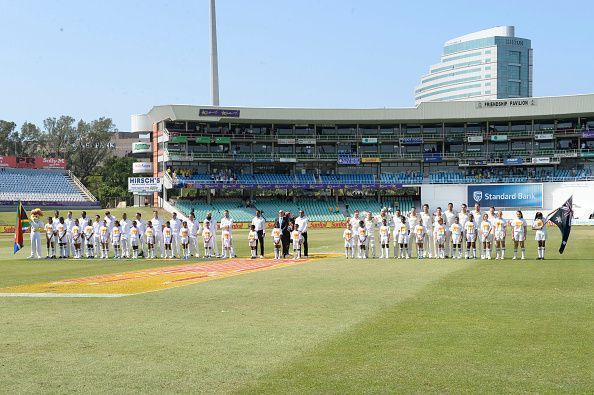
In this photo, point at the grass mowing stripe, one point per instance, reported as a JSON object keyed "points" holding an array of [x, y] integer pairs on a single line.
{"points": [[210, 338], [497, 327]]}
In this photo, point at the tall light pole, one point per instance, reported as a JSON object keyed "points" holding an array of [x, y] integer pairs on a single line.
{"points": [[214, 62]]}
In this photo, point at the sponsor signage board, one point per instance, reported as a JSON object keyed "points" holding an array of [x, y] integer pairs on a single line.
{"points": [[144, 185], [348, 160], [544, 136], [475, 139], [371, 160], [218, 112], [285, 141], [588, 135], [541, 161], [411, 140], [141, 147], [499, 137], [513, 161], [432, 158], [142, 167], [369, 140], [572, 154], [306, 141], [32, 163], [505, 195], [287, 160]]}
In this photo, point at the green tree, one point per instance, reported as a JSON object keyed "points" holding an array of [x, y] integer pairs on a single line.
{"points": [[92, 146], [6, 139], [113, 179], [60, 137], [28, 140]]}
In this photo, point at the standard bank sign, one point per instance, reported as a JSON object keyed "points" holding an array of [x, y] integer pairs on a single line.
{"points": [[505, 195]]}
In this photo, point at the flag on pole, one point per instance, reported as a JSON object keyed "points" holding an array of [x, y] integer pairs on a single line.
{"points": [[562, 217], [22, 225]]}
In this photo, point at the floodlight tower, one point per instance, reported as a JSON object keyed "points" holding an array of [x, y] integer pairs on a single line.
{"points": [[214, 63]]}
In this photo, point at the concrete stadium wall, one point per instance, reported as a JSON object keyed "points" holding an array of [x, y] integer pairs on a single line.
{"points": [[554, 195]]}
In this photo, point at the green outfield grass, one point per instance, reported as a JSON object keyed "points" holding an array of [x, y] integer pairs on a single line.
{"points": [[327, 326]]}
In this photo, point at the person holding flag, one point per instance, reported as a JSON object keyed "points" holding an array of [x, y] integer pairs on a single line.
{"points": [[562, 217], [22, 225]]}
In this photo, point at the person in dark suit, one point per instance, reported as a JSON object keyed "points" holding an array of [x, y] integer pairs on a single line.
{"points": [[285, 232]]}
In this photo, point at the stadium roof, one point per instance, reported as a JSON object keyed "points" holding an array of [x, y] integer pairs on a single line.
{"points": [[556, 107]]}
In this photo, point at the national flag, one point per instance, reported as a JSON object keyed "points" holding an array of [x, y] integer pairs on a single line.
{"points": [[562, 217], [22, 225]]}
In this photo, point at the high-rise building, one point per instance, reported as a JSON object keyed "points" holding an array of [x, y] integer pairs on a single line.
{"points": [[485, 65]]}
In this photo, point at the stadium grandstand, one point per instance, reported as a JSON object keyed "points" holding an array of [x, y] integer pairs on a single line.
{"points": [[26, 180], [330, 162]]}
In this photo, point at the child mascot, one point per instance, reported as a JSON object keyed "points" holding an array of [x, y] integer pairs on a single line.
{"points": [[37, 228]]}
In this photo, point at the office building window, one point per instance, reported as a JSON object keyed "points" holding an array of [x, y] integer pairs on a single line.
{"points": [[514, 88], [514, 56], [514, 72]]}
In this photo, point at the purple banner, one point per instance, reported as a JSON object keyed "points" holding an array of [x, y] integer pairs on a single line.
{"points": [[218, 112], [330, 185], [588, 135], [34, 203]]}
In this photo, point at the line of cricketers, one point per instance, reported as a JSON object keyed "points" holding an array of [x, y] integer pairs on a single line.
{"points": [[441, 234], [84, 237], [125, 238]]}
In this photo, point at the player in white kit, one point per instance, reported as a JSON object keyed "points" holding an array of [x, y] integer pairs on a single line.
{"points": [[439, 235], [401, 236], [384, 233], [412, 220], [175, 225], [427, 221], [184, 240], [499, 234], [486, 229], [349, 241], [362, 240], [419, 232], [540, 226], [518, 226], [456, 235], [470, 233], [449, 216], [370, 225]]}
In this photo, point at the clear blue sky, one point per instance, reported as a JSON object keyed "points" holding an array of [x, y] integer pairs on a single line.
{"points": [[92, 58]]}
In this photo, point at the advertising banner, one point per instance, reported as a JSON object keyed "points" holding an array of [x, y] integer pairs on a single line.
{"points": [[541, 161], [287, 160], [544, 136], [505, 195], [348, 160], [371, 160], [432, 158], [285, 141], [411, 140], [142, 185], [32, 163], [499, 137], [588, 135], [513, 161], [218, 112], [369, 140], [306, 141], [203, 139], [141, 147], [7, 161], [475, 139], [222, 140], [142, 167]]}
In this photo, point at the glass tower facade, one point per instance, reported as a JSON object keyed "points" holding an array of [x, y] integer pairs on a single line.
{"points": [[485, 65]]}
